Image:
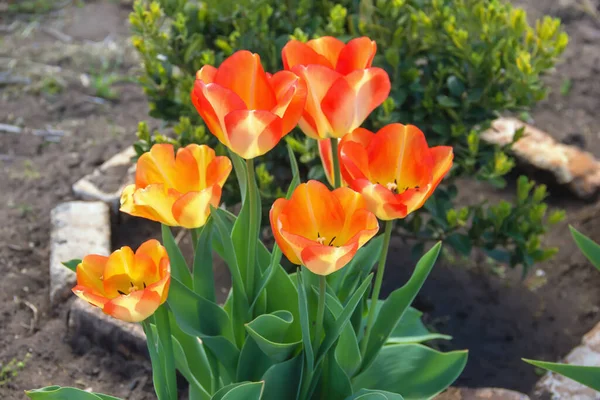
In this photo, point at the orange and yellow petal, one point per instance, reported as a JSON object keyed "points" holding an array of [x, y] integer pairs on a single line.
{"points": [[351, 98], [90, 272], [153, 202], [442, 162], [193, 208], [326, 155], [354, 161], [91, 296], [213, 102], [252, 133], [209, 169], [206, 74], [153, 249], [290, 93], [327, 46], [243, 74], [319, 80], [276, 225], [218, 171], [134, 307], [358, 218], [156, 166], [324, 260], [380, 200], [358, 53], [298, 53]]}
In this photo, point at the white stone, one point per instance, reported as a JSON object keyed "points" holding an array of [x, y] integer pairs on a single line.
{"points": [[86, 189], [556, 387], [79, 228], [460, 393], [578, 170]]}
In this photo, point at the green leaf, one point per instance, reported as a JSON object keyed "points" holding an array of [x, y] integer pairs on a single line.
{"points": [[253, 362], [588, 376], [240, 391], [455, 86], [181, 363], [334, 383], [446, 101], [305, 324], [397, 303], [588, 247], [204, 282], [410, 329], [282, 294], [272, 334], [333, 332], [197, 316], [239, 166], [72, 264], [412, 370], [179, 268], [366, 394], [461, 243], [282, 380], [65, 393]]}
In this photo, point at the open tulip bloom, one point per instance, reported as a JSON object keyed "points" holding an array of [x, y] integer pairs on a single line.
{"points": [[311, 326]]}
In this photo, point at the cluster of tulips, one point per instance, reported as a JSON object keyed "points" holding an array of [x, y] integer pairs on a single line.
{"points": [[328, 89]]}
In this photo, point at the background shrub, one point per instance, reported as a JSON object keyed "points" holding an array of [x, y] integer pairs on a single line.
{"points": [[455, 65]]}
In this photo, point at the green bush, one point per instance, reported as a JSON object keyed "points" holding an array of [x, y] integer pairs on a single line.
{"points": [[454, 65]]}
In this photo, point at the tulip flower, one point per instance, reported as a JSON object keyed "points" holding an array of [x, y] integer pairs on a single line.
{"points": [[322, 229], [126, 285], [248, 110], [176, 191], [343, 88], [394, 169]]}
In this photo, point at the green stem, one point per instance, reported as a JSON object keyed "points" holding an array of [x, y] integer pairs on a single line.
{"points": [[320, 311], [158, 373], [214, 369], [163, 328], [378, 280], [195, 234], [253, 231], [337, 176]]}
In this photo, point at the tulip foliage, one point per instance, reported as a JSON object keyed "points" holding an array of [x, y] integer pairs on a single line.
{"points": [[318, 331]]}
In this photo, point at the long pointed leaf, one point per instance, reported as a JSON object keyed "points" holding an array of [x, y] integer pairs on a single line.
{"points": [[396, 304], [588, 247], [204, 281], [588, 376], [179, 268]]}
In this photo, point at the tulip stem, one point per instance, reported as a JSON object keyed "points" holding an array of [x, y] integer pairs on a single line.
{"points": [[378, 280], [320, 311], [337, 176], [163, 327], [253, 231]]}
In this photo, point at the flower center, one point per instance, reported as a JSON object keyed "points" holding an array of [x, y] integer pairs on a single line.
{"points": [[323, 239], [392, 186], [132, 288]]}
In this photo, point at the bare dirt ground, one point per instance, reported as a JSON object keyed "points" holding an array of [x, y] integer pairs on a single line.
{"points": [[49, 81]]}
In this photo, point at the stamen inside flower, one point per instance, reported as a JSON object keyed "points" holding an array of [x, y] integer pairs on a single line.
{"points": [[392, 186]]}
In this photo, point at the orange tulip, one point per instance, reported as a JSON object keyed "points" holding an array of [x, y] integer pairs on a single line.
{"points": [[322, 229], [394, 169], [343, 88], [127, 286], [176, 191], [248, 110]]}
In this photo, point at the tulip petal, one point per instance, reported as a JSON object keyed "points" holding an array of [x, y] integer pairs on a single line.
{"points": [[218, 171], [327, 46], [350, 100], [326, 159], [290, 93], [156, 166], [189, 169], [380, 201], [193, 208], [298, 53], [358, 53], [243, 74], [283, 244], [90, 272], [206, 74], [324, 260], [442, 162], [153, 202], [153, 249], [319, 80], [90, 295], [360, 225], [354, 161], [252, 133], [134, 307], [213, 103]]}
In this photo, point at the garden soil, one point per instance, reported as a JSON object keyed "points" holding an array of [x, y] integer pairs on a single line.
{"points": [[49, 81]]}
